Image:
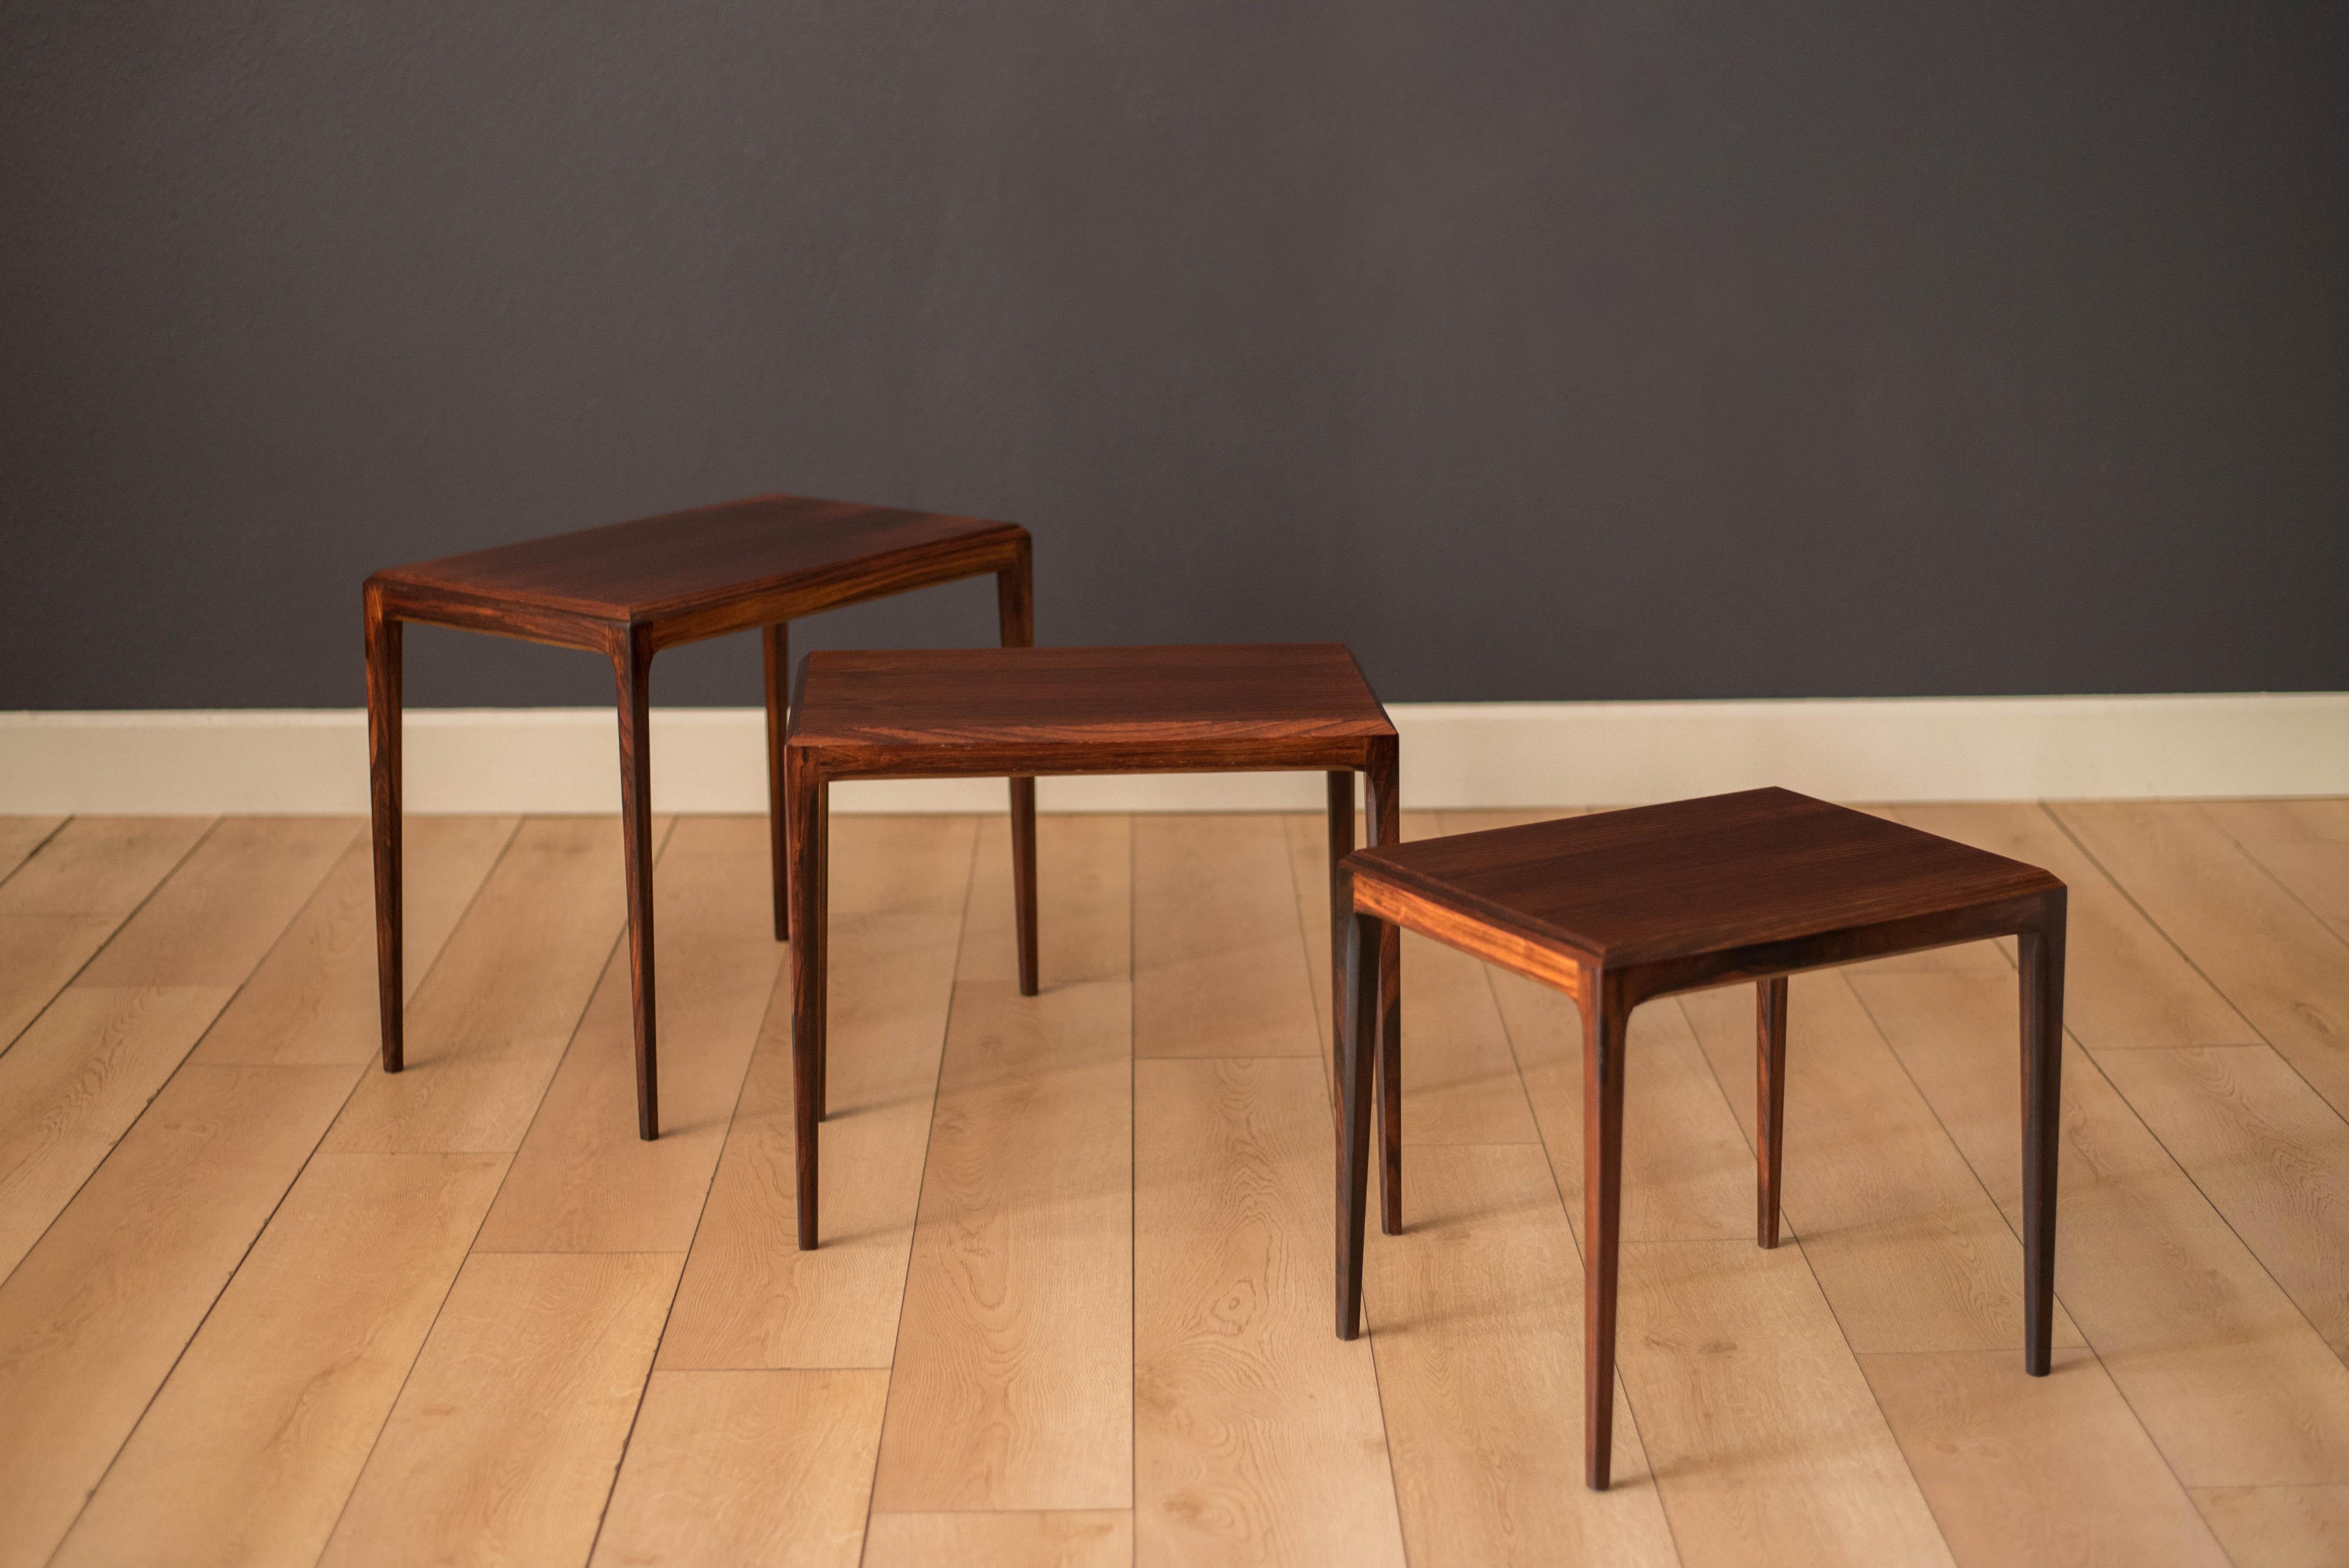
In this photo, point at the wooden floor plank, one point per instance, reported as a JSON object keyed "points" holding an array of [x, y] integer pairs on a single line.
{"points": [[2321, 820], [2279, 1526], [469, 1469], [1258, 1433], [1475, 1318], [38, 955], [1089, 1538], [2049, 1471], [93, 1319], [770, 1468], [101, 865], [491, 1020], [313, 998], [1218, 957], [1013, 1387], [583, 1182], [1912, 1252], [2215, 1359], [20, 836], [1460, 1082], [2304, 844], [1688, 1171], [750, 1298], [2124, 983], [69, 897], [2269, 1154], [1765, 1438], [2284, 970], [249, 1449], [80, 1076], [220, 912]]}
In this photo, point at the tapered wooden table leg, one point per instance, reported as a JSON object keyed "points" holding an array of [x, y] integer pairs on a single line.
{"points": [[1770, 1103], [383, 688], [2043, 1123], [1605, 1023], [803, 789], [1358, 1035], [775, 645], [1341, 914], [631, 664], [1384, 803], [1015, 596]]}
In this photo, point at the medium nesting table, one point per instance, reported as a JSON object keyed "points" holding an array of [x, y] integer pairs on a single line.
{"points": [[1618, 908], [976, 712], [631, 589]]}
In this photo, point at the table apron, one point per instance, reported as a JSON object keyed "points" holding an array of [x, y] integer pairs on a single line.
{"points": [[1572, 972], [1349, 753]]}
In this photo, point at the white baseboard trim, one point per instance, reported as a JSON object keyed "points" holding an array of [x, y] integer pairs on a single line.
{"points": [[1456, 755]]}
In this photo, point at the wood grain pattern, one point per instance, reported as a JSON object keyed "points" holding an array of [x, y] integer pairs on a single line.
{"points": [[2052, 1470], [2284, 970], [80, 1076], [468, 1470], [1074, 1538], [2126, 984], [248, 1452], [750, 1298], [947, 711], [2215, 1359], [1258, 1434], [1013, 1387], [573, 1187], [1218, 957], [771, 1468], [93, 1319], [1912, 1252], [491, 1020], [711, 568], [2279, 1526], [70, 894], [2269, 1154], [1764, 1436], [312, 999], [223, 907], [1475, 1320]]}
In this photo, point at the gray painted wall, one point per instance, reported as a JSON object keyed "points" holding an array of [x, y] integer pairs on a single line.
{"points": [[1538, 350]]}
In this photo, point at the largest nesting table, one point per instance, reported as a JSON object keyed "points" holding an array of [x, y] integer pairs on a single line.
{"points": [[976, 712], [627, 590]]}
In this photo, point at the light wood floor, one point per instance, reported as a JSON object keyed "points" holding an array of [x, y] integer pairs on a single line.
{"points": [[265, 1304]]}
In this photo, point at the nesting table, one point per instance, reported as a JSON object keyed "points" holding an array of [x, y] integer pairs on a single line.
{"points": [[1621, 907], [976, 712], [626, 591]]}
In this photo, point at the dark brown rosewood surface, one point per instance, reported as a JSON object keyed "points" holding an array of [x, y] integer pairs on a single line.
{"points": [[1616, 908], [688, 563], [1162, 697], [1699, 876]]}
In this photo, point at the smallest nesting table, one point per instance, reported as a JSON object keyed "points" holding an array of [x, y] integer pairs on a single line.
{"points": [[982, 712], [1621, 907]]}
